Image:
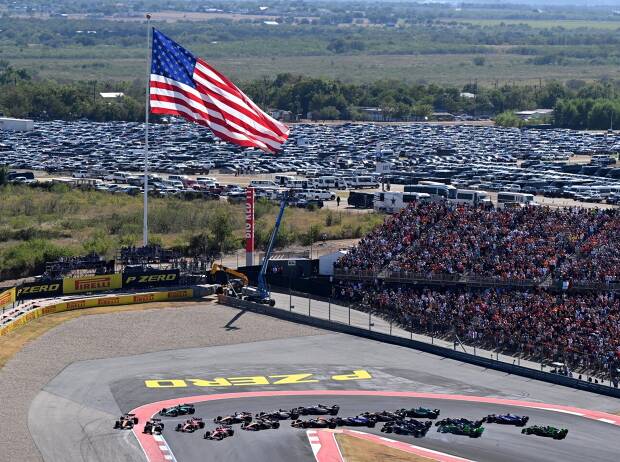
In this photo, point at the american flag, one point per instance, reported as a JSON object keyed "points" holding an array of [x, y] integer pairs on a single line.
{"points": [[186, 86]]}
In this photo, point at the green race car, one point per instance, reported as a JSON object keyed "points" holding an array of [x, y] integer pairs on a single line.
{"points": [[467, 430], [548, 432], [419, 413]]}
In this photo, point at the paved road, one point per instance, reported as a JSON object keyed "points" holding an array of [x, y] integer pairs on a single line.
{"points": [[71, 419]]}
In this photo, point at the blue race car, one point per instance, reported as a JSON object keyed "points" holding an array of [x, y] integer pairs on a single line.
{"points": [[507, 419], [359, 421]]}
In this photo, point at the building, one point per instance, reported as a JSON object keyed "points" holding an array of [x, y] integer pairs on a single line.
{"points": [[112, 95], [535, 114], [326, 262], [374, 114], [20, 125]]}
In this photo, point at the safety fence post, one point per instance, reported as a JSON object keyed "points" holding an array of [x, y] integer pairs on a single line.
{"points": [[309, 300], [349, 315], [329, 309]]}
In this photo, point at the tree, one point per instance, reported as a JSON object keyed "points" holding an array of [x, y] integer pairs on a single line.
{"points": [[4, 173], [508, 119]]}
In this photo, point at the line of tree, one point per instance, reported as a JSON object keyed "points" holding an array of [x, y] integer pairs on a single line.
{"points": [[577, 104]]}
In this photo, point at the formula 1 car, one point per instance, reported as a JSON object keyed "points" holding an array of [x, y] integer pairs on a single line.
{"points": [[358, 421], [548, 432], [260, 424], [407, 427], [319, 409], [236, 418], [467, 430], [221, 432], [461, 421], [315, 423], [383, 416], [507, 419], [419, 412], [126, 422], [191, 425], [154, 427], [181, 409], [277, 415]]}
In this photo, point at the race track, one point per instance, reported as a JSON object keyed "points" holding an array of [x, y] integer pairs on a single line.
{"points": [[72, 418]]}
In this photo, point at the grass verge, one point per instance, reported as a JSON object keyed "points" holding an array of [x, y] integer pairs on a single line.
{"points": [[358, 450]]}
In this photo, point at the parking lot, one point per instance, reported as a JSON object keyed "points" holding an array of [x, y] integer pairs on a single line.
{"points": [[558, 167]]}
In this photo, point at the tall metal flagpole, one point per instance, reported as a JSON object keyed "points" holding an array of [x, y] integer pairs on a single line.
{"points": [[145, 232]]}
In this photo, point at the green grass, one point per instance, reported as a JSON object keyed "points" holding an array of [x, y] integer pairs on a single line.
{"points": [[543, 23], [37, 223], [455, 69]]}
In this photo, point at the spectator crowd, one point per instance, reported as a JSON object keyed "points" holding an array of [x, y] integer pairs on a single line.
{"points": [[531, 243], [580, 330], [536, 244]]}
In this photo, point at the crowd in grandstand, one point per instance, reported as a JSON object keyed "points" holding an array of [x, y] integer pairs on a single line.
{"points": [[537, 244], [582, 330], [530, 243]]}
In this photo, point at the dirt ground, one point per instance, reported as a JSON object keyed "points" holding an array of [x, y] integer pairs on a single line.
{"points": [[358, 450]]}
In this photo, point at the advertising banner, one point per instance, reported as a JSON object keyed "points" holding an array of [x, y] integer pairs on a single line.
{"points": [[150, 278], [47, 289], [7, 297], [249, 226], [92, 283]]}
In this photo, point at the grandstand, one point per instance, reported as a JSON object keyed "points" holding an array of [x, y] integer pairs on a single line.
{"points": [[534, 281]]}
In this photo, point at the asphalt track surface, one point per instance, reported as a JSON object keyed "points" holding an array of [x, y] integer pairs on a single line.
{"points": [[72, 418], [586, 440]]}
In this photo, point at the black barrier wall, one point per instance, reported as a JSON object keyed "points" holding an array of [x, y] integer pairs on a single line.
{"points": [[46, 289], [150, 278]]}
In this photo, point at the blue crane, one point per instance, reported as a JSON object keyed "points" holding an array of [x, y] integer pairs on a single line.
{"points": [[262, 292]]}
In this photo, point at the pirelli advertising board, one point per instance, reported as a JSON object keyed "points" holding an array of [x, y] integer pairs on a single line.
{"points": [[7, 297], [47, 289], [92, 284], [153, 278], [111, 300]]}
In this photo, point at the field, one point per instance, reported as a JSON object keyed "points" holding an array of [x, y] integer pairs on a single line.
{"points": [[456, 69], [546, 23], [39, 224]]}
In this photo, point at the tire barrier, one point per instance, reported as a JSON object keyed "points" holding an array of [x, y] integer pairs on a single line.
{"points": [[108, 300]]}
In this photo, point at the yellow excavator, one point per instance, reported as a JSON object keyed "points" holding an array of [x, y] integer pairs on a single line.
{"points": [[236, 284]]}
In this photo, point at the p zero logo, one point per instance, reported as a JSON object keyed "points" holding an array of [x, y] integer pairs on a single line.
{"points": [[92, 283], [49, 289], [151, 279]]}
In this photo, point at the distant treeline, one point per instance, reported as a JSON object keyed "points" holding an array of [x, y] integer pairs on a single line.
{"points": [[577, 104]]}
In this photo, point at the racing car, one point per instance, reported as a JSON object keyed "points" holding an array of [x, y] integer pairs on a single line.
{"points": [[319, 409], [126, 422], [191, 425], [154, 427], [419, 412], [507, 419], [358, 421], [277, 415], [320, 422], [181, 409], [221, 432], [236, 418], [548, 432], [461, 421], [383, 416], [260, 424], [462, 429], [407, 427]]}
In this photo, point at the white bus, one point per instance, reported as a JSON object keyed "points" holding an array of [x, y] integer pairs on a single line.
{"points": [[435, 190], [515, 198], [329, 182], [471, 197], [260, 184], [283, 180], [392, 202], [360, 182]]}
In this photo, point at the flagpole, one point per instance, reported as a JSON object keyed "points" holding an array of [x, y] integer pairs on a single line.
{"points": [[145, 232]]}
